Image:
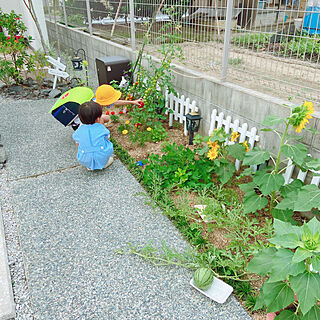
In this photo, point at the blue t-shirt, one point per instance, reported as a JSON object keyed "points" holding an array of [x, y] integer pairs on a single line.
{"points": [[95, 148]]}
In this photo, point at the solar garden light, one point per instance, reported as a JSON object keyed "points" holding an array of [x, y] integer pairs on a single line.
{"points": [[193, 124], [78, 62]]}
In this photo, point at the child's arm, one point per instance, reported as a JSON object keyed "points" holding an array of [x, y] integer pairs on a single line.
{"points": [[126, 102]]}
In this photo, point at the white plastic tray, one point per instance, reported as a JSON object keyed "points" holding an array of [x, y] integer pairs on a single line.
{"points": [[219, 290]]}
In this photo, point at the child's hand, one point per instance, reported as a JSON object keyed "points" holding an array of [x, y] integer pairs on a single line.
{"points": [[137, 102]]}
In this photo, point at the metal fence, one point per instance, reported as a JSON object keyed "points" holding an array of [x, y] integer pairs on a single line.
{"points": [[270, 46]]}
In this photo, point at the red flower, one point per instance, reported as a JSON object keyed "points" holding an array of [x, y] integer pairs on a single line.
{"points": [[8, 38], [16, 40], [138, 125], [141, 104], [16, 18], [136, 83], [113, 113], [107, 112], [17, 37], [120, 112]]}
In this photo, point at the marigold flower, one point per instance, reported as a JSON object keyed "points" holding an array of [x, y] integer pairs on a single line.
{"points": [[149, 129], [301, 115], [127, 122], [213, 153], [107, 112], [124, 131], [246, 145], [235, 135]]}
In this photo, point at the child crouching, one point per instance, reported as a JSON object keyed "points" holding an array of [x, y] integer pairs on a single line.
{"points": [[92, 138]]}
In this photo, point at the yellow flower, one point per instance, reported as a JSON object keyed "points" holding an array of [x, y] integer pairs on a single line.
{"points": [[124, 131], [235, 135], [149, 129], [213, 144], [85, 63], [213, 153], [127, 122], [246, 145], [301, 115]]}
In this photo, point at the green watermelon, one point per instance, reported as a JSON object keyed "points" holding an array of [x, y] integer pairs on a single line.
{"points": [[203, 278]]}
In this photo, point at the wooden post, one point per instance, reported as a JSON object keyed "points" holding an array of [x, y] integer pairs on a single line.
{"points": [[116, 17]]}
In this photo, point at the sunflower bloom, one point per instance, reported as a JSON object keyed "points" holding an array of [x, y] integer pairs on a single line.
{"points": [[235, 135], [213, 153], [301, 115], [213, 144], [127, 122], [246, 145], [125, 132], [149, 129]]}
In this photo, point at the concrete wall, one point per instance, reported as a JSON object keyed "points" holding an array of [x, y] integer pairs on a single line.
{"points": [[209, 93], [19, 8]]}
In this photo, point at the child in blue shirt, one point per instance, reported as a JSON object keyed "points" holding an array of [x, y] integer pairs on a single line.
{"points": [[92, 138]]}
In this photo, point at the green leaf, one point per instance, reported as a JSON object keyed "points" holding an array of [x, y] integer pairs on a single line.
{"points": [[312, 130], [267, 130], [293, 186], [256, 156], [315, 260], [281, 228], [313, 314], [282, 266], [306, 285], [225, 172], [313, 164], [246, 187], [297, 153], [260, 301], [289, 240], [284, 215], [289, 201], [287, 315], [308, 198], [301, 254], [314, 225], [268, 182], [236, 150], [277, 296], [272, 120], [254, 203], [262, 262]]}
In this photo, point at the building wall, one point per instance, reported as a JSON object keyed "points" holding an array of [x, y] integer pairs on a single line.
{"points": [[240, 103], [19, 8]]}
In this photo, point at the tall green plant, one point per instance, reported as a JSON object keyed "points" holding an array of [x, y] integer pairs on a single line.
{"points": [[268, 189], [292, 264]]}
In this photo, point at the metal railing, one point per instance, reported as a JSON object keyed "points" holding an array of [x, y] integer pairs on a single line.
{"points": [[272, 46]]}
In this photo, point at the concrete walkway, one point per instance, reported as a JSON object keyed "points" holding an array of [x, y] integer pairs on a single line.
{"points": [[71, 221]]}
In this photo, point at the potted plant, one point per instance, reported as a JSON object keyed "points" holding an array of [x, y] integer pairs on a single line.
{"points": [[292, 265]]}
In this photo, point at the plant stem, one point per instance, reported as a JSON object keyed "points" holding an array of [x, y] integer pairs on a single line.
{"points": [[276, 169]]}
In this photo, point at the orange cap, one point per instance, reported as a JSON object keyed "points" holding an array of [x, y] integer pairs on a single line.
{"points": [[106, 95]]}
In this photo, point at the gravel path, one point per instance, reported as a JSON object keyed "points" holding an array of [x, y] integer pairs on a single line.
{"points": [[71, 221]]}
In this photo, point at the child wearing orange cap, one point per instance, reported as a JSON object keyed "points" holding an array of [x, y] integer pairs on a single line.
{"points": [[107, 96]]}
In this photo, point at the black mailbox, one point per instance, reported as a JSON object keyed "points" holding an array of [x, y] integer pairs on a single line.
{"points": [[112, 68]]}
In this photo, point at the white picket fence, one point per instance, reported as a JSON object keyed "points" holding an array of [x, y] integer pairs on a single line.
{"points": [[180, 106], [301, 175], [218, 121]]}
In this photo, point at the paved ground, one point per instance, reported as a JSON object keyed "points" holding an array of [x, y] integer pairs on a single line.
{"points": [[71, 221]]}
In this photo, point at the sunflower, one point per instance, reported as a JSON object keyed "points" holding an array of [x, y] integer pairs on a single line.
{"points": [[301, 115], [235, 135], [213, 144], [213, 153]]}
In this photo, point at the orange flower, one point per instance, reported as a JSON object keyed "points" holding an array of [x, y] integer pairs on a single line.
{"points": [[235, 135]]}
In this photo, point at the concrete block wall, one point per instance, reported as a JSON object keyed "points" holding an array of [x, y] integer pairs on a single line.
{"points": [[240, 103]]}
